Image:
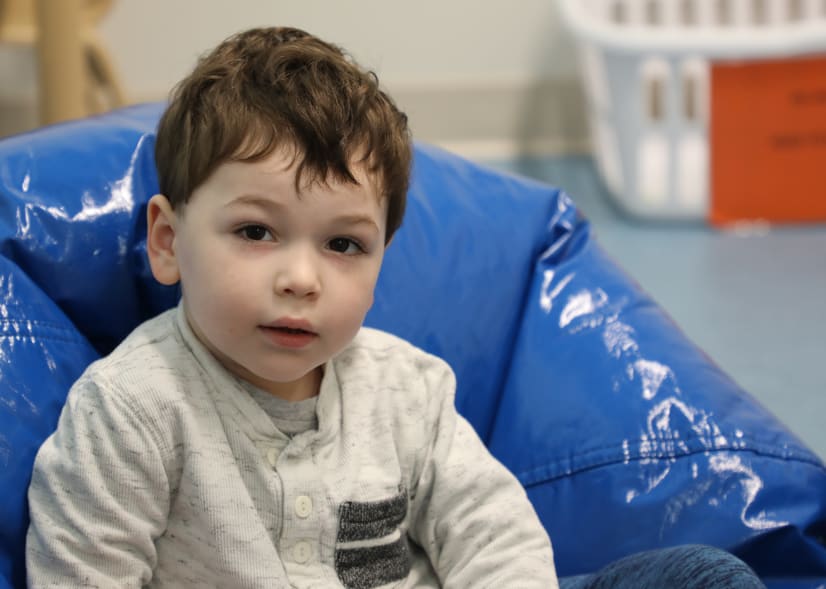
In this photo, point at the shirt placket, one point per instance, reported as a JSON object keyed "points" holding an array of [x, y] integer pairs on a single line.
{"points": [[304, 510]]}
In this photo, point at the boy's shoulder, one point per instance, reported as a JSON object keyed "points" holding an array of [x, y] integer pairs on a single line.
{"points": [[382, 346], [150, 352], [389, 362], [154, 338]]}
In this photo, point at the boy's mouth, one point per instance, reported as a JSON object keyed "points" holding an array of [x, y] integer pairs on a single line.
{"points": [[290, 330], [291, 333], [291, 326]]}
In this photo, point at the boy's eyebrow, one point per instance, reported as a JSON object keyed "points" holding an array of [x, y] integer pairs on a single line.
{"points": [[258, 201], [357, 220], [266, 203]]}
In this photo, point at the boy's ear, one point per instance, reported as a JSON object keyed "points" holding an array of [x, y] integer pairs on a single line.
{"points": [[160, 240]]}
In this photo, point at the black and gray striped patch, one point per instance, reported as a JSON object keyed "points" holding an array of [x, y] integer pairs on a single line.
{"points": [[371, 549]]}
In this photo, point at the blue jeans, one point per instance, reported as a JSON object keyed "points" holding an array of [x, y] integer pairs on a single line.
{"points": [[681, 567]]}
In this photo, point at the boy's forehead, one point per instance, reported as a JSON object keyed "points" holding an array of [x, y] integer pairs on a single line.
{"points": [[286, 166], [276, 176]]}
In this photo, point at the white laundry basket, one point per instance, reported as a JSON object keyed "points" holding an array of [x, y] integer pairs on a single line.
{"points": [[646, 73]]}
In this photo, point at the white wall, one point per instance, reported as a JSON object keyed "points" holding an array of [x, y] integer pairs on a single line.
{"points": [[155, 42], [465, 70]]}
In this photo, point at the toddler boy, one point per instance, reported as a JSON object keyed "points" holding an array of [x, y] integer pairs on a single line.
{"points": [[257, 435]]}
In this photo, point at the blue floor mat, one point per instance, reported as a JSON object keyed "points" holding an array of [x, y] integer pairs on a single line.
{"points": [[754, 300]]}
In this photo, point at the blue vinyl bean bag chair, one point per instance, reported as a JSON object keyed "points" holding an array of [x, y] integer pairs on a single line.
{"points": [[625, 435]]}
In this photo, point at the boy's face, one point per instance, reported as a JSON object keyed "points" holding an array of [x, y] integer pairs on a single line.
{"points": [[274, 282]]}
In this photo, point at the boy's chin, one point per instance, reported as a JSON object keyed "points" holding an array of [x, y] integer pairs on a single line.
{"points": [[290, 387]]}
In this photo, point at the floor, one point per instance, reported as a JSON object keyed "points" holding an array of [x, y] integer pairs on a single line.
{"points": [[754, 301]]}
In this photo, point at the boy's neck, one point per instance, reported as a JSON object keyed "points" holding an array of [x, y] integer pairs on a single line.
{"points": [[304, 388]]}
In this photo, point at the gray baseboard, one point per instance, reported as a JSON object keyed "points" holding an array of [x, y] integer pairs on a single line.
{"points": [[17, 115], [481, 119], [507, 119]]}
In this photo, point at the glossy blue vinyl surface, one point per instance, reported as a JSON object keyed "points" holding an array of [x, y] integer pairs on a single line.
{"points": [[72, 218], [41, 355], [625, 435], [467, 313]]}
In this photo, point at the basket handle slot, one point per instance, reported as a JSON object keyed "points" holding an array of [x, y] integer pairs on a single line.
{"points": [[690, 98], [655, 99], [654, 75], [694, 91], [724, 12], [759, 12], [653, 12], [688, 12], [618, 12]]}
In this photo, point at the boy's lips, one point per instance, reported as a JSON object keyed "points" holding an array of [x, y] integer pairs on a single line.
{"points": [[290, 333]]}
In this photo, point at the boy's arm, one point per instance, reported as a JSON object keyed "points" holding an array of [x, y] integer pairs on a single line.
{"points": [[472, 516], [98, 498]]}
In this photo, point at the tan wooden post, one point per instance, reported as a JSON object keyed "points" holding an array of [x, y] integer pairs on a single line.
{"points": [[61, 61]]}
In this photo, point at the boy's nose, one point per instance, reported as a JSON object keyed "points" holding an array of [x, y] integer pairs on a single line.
{"points": [[298, 275]]}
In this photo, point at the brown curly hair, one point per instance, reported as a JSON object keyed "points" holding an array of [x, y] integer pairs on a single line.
{"points": [[268, 88]]}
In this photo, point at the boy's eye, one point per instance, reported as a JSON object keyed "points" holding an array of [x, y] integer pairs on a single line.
{"points": [[345, 245], [255, 233]]}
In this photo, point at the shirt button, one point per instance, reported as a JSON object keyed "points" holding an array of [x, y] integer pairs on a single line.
{"points": [[272, 457], [303, 506], [302, 552]]}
